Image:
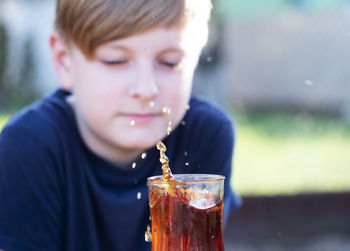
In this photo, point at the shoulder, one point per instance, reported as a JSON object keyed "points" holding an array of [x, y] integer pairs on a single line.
{"points": [[43, 121], [206, 134], [31, 142], [208, 117]]}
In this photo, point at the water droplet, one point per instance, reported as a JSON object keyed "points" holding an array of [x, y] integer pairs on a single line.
{"points": [[168, 130], [185, 153], [151, 104], [209, 59], [132, 122], [166, 109], [138, 195], [183, 123], [186, 164], [148, 234], [187, 107], [308, 82], [133, 165], [143, 155], [150, 217]]}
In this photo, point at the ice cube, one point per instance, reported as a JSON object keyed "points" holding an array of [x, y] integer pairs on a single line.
{"points": [[203, 203]]}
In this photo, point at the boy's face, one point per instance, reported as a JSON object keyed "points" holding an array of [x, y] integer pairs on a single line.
{"points": [[131, 91]]}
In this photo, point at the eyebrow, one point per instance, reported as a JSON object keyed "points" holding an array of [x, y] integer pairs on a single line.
{"points": [[170, 50], [167, 50], [119, 47]]}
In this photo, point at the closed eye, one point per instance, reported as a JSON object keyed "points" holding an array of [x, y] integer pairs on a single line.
{"points": [[170, 64], [115, 62]]}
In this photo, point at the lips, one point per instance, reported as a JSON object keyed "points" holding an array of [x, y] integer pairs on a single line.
{"points": [[140, 118]]}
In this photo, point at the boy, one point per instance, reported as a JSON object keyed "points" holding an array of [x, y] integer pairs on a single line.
{"points": [[73, 166]]}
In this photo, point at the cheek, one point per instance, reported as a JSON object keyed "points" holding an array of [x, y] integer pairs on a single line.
{"points": [[94, 95], [176, 94]]}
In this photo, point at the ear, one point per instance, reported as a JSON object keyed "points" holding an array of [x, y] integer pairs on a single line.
{"points": [[62, 59]]}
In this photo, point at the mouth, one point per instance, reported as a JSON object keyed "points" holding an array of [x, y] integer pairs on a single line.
{"points": [[137, 118]]}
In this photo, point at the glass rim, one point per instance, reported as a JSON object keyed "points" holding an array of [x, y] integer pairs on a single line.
{"points": [[196, 178]]}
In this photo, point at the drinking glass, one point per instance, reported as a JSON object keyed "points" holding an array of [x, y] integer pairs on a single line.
{"points": [[186, 213]]}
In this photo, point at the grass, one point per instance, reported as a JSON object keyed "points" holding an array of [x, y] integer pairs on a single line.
{"points": [[281, 153], [4, 116], [287, 154]]}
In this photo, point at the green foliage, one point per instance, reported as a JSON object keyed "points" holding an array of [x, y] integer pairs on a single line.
{"points": [[16, 91], [256, 8], [282, 153], [3, 119]]}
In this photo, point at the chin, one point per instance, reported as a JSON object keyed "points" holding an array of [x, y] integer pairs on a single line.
{"points": [[140, 143]]}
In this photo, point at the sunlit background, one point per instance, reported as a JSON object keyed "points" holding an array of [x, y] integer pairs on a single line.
{"points": [[281, 67]]}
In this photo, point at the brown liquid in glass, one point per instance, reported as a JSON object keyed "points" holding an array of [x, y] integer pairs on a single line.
{"points": [[176, 224]]}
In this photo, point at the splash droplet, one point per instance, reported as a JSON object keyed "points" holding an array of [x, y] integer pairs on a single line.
{"points": [[138, 196], [166, 109], [151, 104], [308, 82], [148, 234], [133, 165], [185, 153], [187, 107], [186, 164], [143, 155], [209, 59], [132, 122], [183, 123], [168, 130]]}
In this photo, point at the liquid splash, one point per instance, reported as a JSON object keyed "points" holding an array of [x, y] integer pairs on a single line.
{"points": [[167, 175]]}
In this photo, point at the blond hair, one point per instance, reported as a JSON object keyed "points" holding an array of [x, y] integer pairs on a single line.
{"points": [[90, 23]]}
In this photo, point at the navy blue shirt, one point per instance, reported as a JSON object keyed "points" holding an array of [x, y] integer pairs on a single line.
{"points": [[56, 194]]}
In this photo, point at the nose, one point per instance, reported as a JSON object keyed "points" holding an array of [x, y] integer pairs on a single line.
{"points": [[145, 85]]}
